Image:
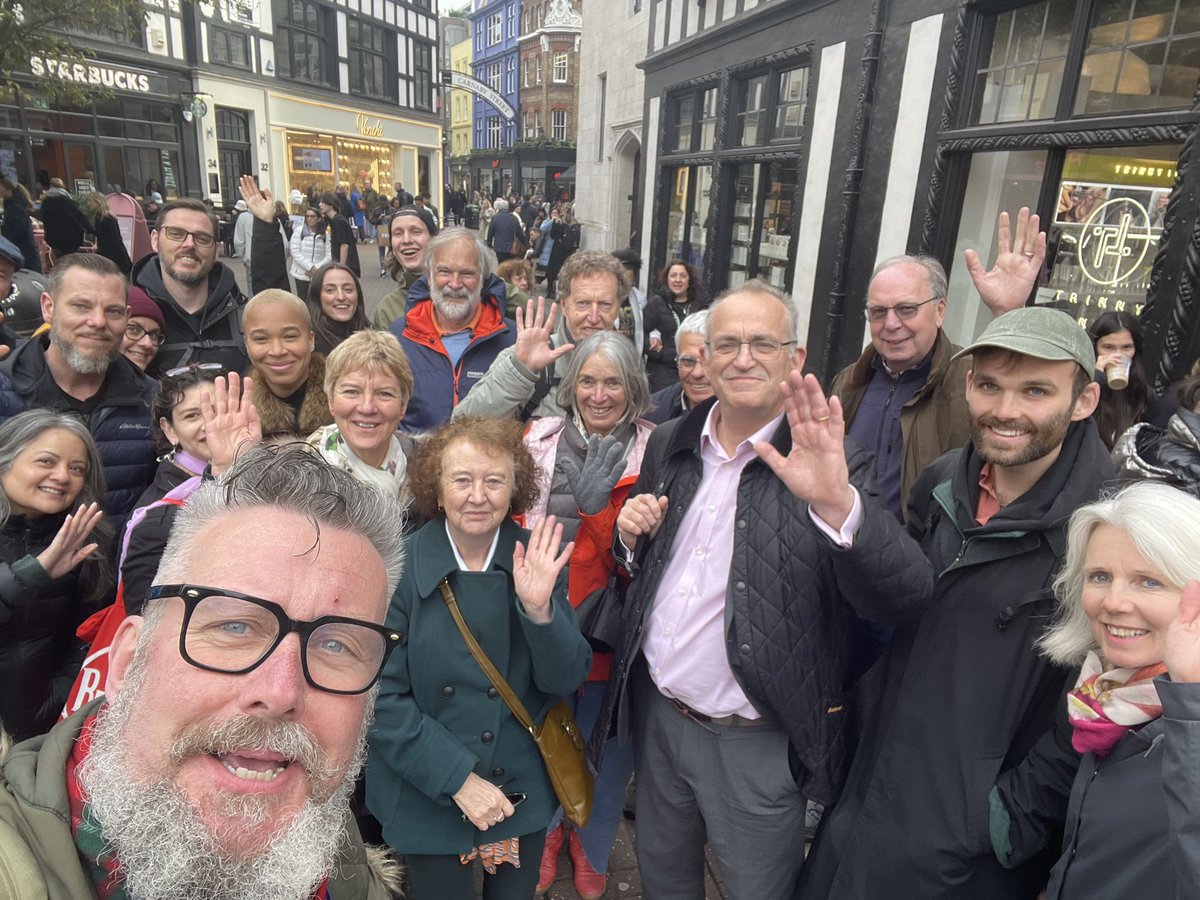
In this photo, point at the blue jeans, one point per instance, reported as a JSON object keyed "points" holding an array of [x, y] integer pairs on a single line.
{"points": [[616, 769]]}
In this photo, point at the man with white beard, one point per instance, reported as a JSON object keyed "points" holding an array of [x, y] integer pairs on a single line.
{"points": [[220, 765], [454, 326], [78, 368]]}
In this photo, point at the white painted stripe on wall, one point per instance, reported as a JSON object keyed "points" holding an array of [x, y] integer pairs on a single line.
{"points": [[660, 25], [648, 190], [676, 25], [916, 94], [816, 181]]}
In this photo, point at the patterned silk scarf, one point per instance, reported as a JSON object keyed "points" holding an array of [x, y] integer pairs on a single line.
{"points": [[1106, 704]]}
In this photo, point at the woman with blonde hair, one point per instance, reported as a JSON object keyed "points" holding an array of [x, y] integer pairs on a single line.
{"points": [[109, 242], [1129, 616]]}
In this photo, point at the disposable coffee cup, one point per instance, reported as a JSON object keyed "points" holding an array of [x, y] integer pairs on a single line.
{"points": [[1118, 375]]}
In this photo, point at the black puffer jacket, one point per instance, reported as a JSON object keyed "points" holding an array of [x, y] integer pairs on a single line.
{"points": [[1171, 455], [961, 698], [39, 653], [793, 637]]}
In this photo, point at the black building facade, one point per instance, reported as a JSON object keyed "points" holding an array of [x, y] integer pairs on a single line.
{"points": [[801, 142]]}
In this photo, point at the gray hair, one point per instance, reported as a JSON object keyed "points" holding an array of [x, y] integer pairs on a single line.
{"points": [[1161, 522], [696, 323], [619, 351], [756, 286], [500, 204], [591, 262], [17, 432], [933, 270], [289, 476], [485, 258], [89, 262]]}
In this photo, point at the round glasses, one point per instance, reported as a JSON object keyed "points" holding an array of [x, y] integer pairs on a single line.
{"points": [[762, 349], [225, 631]]}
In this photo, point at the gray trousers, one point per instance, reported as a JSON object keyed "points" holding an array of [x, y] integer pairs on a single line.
{"points": [[727, 785]]}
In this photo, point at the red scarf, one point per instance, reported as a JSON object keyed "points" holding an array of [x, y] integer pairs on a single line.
{"points": [[1105, 704]]}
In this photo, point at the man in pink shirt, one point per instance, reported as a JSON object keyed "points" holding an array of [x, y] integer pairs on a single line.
{"points": [[759, 542]]}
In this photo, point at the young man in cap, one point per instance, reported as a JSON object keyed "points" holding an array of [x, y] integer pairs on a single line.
{"points": [[961, 698]]}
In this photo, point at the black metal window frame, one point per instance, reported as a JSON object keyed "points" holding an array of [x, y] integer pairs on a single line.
{"points": [[371, 49], [422, 75], [726, 152], [221, 44], [292, 37]]}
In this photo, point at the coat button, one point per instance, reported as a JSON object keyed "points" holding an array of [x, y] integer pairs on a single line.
{"points": [[741, 585], [745, 648], [487, 737], [497, 772], [493, 693], [448, 692], [741, 524]]}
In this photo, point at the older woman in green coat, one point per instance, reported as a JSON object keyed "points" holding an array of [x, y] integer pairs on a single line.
{"points": [[451, 775]]}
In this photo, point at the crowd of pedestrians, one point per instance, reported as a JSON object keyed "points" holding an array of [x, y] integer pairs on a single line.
{"points": [[929, 633]]}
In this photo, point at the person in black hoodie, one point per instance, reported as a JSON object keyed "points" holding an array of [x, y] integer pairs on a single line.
{"points": [[199, 296], [64, 222], [17, 226], [53, 570]]}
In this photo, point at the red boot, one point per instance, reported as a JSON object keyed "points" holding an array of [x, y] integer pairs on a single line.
{"points": [[549, 868], [589, 884]]}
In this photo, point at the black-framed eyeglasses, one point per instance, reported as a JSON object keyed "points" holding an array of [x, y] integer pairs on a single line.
{"points": [[903, 311], [136, 332], [687, 363], [178, 235], [234, 633], [195, 367]]}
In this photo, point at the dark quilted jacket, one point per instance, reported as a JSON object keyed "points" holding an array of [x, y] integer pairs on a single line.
{"points": [[961, 697], [795, 641], [119, 423]]}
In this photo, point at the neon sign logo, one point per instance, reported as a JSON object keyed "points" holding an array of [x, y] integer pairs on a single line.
{"points": [[1115, 241]]}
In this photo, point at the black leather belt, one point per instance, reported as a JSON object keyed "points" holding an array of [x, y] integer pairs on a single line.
{"points": [[731, 721]]}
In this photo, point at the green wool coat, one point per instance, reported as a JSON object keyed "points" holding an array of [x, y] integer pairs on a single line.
{"points": [[438, 718]]}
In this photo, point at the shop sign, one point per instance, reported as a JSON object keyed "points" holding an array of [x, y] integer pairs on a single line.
{"points": [[368, 126], [91, 73], [479, 89]]}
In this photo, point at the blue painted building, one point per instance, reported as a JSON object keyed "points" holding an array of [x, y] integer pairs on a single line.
{"points": [[495, 28]]}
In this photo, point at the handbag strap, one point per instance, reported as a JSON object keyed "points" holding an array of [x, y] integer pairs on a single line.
{"points": [[516, 707]]}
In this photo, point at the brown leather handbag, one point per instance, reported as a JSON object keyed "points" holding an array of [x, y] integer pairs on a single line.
{"points": [[557, 738]]}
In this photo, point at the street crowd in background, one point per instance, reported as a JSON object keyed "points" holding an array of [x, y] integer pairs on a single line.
{"points": [[930, 632]]}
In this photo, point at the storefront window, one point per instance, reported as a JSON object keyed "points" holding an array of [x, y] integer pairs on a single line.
{"points": [[1141, 54], [364, 162], [1136, 55], [302, 36], [1106, 228], [679, 140], [1003, 181], [688, 215], [752, 104], [762, 221]]}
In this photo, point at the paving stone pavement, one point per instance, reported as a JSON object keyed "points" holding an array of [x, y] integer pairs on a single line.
{"points": [[623, 879]]}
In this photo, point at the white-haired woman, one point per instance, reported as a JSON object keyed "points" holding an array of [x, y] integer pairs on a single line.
{"points": [[589, 460], [1129, 595]]}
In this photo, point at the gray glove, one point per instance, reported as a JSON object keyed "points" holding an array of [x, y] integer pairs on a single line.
{"points": [[602, 469]]}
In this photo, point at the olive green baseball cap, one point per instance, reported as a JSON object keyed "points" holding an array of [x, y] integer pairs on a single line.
{"points": [[1040, 332]]}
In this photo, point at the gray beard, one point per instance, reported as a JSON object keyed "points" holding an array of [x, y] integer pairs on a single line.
{"points": [[454, 310], [166, 853], [78, 362]]}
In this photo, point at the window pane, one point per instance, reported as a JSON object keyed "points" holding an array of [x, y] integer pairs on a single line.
{"points": [[1023, 75], [677, 185], [1106, 228], [789, 111], [997, 181], [1135, 61], [708, 119]]}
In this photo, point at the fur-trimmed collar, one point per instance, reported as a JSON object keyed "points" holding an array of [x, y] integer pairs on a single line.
{"points": [[278, 418]]}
